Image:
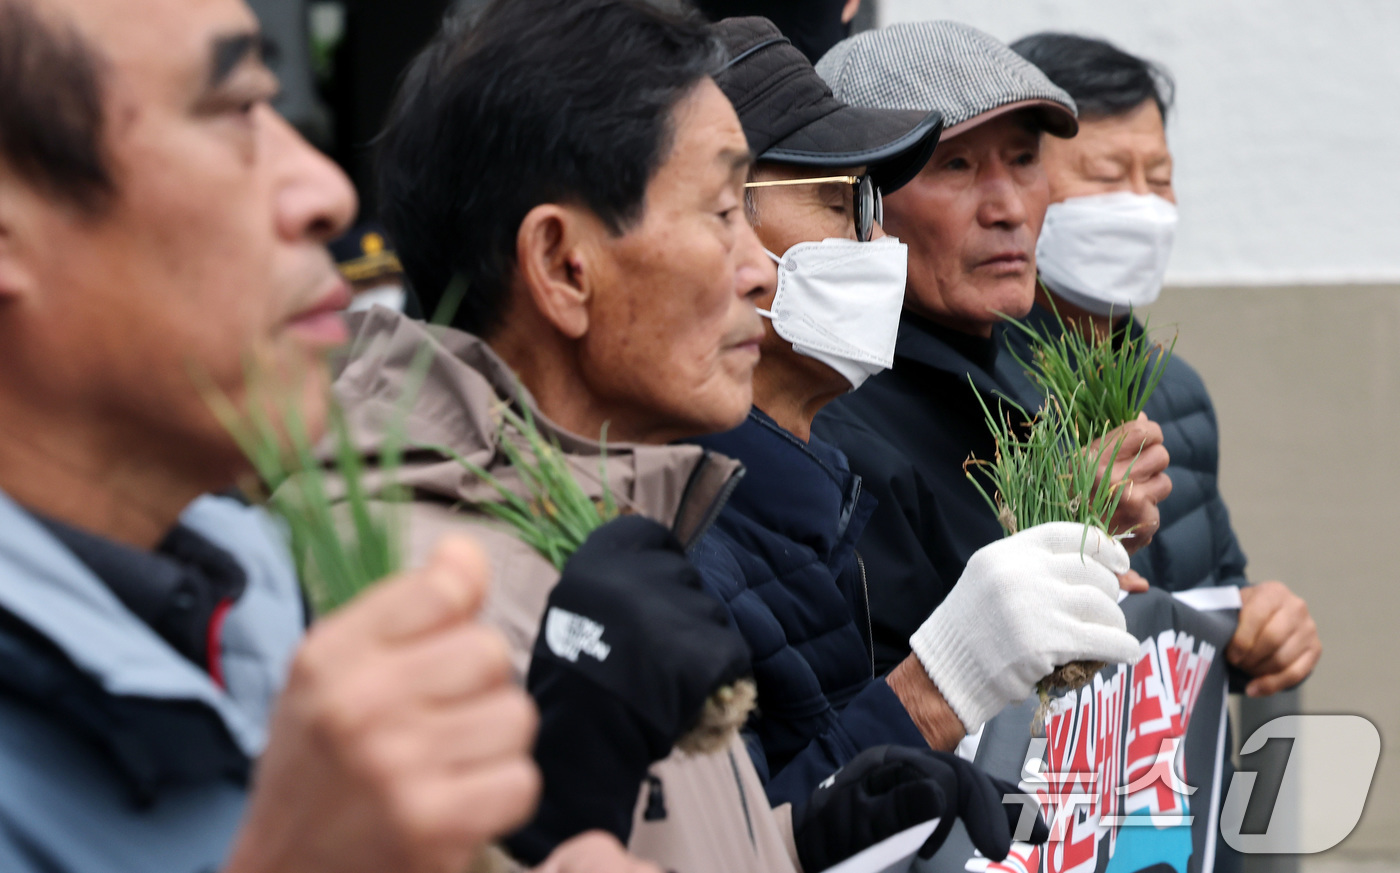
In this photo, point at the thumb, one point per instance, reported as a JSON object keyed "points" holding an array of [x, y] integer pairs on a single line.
{"points": [[627, 534], [1112, 645], [947, 814]]}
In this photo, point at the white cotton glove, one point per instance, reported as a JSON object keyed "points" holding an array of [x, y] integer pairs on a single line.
{"points": [[1024, 606]]}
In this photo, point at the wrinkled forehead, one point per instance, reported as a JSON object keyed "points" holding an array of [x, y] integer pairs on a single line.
{"points": [[153, 48]]}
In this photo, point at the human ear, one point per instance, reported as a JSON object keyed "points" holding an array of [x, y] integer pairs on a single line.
{"points": [[16, 277], [16, 280], [552, 256]]}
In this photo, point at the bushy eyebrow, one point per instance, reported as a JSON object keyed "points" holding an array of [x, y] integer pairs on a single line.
{"points": [[228, 52]]}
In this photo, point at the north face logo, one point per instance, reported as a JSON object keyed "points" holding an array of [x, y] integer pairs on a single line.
{"points": [[568, 634]]}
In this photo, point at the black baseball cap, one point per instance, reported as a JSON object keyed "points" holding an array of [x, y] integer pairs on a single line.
{"points": [[790, 116]]}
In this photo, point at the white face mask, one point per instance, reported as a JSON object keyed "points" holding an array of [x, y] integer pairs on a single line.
{"points": [[839, 302], [1107, 253]]}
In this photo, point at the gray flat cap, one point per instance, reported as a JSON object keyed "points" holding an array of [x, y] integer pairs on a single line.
{"points": [[967, 75]]}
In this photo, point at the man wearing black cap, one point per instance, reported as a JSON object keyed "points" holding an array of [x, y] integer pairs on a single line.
{"points": [[781, 554]]}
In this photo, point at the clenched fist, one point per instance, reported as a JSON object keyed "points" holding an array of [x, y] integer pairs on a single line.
{"points": [[1276, 640]]}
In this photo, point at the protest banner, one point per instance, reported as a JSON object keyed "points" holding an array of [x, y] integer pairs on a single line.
{"points": [[1128, 772]]}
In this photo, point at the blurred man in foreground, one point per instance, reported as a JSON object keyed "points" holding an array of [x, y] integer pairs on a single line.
{"points": [[160, 227]]}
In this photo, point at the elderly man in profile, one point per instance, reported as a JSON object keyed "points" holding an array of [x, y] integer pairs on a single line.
{"points": [[572, 166], [160, 226]]}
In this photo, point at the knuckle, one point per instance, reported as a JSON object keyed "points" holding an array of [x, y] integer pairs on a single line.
{"points": [[382, 760], [343, 712], [497, 802], [411, 812], [524, 717], [1266, 646], [521, 785], [490, 654], [313, 661], [338, 720]]}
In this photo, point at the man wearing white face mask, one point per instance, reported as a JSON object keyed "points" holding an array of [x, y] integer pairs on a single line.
{"points": [[782, 553], [1102, 252]]}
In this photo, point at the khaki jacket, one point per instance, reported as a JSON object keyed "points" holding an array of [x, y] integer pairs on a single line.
{"points": [[718, 818]]}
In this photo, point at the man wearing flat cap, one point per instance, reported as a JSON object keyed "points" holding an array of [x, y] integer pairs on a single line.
{"points": [[971, 219], [782, 553]]}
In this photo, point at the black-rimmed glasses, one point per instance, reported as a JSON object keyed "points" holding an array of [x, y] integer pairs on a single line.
{"points": [[867, 203]]}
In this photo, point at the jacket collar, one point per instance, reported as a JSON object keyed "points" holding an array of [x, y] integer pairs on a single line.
{"points": [[803, 491], [678, 485], [51, 591], [958, 354]]}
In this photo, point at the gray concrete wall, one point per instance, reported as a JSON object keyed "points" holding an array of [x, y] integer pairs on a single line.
{"points": [[1306, 382]]}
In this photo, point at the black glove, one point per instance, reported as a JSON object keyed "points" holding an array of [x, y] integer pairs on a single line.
{"points": [[887, 789], [629, 650]]}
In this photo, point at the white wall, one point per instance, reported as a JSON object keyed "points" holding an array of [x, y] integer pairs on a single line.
{"points": [[1287, 132]]}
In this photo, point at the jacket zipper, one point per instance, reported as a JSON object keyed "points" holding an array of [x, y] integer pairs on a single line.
{"points": [[707, 521], [656, 800], [743, 798], [869, 625]]}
